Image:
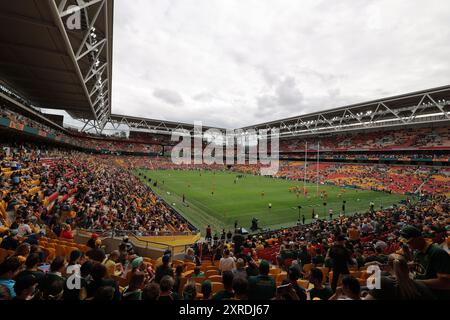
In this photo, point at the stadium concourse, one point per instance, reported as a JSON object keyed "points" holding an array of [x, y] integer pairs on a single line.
{"points": [[52, 190]]}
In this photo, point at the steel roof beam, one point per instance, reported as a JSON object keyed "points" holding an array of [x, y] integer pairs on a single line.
{"points": [[82, 4]]}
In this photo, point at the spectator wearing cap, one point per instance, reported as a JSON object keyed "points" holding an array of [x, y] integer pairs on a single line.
{"points": [[91, 241], [128, 245], [432, 263], [340, 258], [164, 269], [137, 264], [159, 261], [262, 287]]}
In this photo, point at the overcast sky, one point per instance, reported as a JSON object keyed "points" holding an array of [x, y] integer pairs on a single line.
{"points": [[232, 63]]}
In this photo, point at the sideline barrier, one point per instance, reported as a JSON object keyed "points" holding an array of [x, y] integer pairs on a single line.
{"points": [[176, 242]]}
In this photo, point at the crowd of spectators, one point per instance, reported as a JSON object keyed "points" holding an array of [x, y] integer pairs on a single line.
{"points": [[418, 138], [404, 179], [45, 194], [374, 156], [98, 143], [69, 189], [407, 246]]}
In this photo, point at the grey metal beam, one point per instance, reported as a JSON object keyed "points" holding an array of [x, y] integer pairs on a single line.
{"points": [[56, 14]]}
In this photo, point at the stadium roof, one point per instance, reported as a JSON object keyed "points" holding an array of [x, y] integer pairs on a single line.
{"points": [[153, 125], [426, 106], [58, 54], [420, 107]]}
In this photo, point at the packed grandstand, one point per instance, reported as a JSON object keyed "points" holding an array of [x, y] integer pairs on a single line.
{"points": [[74, 210]]}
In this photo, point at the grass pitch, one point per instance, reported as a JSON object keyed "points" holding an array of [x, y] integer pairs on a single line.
{"points": [[214, 198]]}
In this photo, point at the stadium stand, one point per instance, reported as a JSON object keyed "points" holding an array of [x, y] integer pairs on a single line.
{"points": [[72, 211], [47, 195]]}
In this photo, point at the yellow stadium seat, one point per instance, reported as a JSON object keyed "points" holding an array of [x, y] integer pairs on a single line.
{"points": [[199, 279], [60, 250], [303, 283], [206, 263], [208, 268], [188, 274], [51, 254], [280, 277], [274, 271], [216, 287], [324, 273], [215, 278], [210, 273], [177, 262], [190, 266]]}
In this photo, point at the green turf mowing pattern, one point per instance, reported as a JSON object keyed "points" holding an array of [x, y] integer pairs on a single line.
{"points": [[244, 200]]}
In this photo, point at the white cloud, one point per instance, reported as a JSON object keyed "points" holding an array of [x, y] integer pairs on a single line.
{"points": [[168, 96], [234, 63], [286, 96]]}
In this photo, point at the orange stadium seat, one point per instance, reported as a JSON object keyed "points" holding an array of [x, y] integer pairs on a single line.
{"points": [[215, 278], [216, 287], [210, 273]]}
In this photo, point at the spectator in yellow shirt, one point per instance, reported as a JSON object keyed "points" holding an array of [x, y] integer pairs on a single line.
{"points": [[113, 267]]}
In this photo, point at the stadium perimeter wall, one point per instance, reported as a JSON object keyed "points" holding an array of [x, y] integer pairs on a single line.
{"points": [[152, 247]]}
